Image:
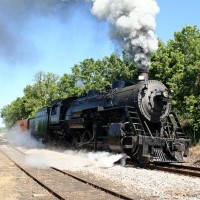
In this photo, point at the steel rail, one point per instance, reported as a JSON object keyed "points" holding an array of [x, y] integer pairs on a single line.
{"points": [[116, 194], [173, 168], [31, 175], [186, 167]]}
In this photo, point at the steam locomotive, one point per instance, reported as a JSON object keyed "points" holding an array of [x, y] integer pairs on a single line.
{"points": [[135, 118]]}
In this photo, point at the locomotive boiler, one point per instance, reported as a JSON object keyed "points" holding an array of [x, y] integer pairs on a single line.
{"points": [[135, 118]]}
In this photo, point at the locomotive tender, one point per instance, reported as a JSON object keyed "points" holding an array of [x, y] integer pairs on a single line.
{"points": [[135, 118]]}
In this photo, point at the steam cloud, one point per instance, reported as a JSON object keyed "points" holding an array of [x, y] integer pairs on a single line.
{"points": [[133, 24], [38, 157], [16, 137], [71, 160]]}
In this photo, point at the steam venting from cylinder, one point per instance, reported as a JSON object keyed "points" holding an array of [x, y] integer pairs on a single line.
{"points": [[132, 25]]}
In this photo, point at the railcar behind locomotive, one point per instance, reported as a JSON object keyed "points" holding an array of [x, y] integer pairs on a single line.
{"points": [[135, 118], [23, 125]]}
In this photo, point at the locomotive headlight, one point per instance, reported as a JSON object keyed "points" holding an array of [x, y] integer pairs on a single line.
{"points": [[158, 93], [166, 93]]}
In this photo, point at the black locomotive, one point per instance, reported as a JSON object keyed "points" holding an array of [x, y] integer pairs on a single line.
{"points": [[135, 118]]}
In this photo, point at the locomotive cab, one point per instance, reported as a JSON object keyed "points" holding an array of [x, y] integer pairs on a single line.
{"points": [[55, 114]]}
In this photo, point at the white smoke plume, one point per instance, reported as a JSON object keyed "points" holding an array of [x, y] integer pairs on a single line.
{"points": [[133, 24], [16, 137], [71, 160]]}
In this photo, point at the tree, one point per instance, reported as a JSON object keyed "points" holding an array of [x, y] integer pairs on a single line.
{"points": [[165, 63], [13, 112], [41, 93], [68, 86], [98, 74]]}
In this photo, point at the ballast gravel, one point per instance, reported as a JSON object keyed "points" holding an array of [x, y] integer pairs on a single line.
{"points": [[149, 184]]}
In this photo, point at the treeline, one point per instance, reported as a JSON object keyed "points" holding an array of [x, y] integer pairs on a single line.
{"points": [[176, 64]]}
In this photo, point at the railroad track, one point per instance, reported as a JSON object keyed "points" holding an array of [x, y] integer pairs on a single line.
{"points": [[172, 168], [178, 169], [114, 193], [49, 178], [74, 182]]}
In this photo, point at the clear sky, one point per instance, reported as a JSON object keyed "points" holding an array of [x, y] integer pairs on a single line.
{"points": [[55, 37]]}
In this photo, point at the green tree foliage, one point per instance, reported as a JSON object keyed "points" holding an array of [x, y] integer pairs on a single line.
{"points": [[177, 64], [98, 74], [165, 63], [41, 93], [68, 86], [13, 112]]}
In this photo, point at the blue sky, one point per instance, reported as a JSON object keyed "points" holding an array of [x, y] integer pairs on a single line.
{"points": [[54, 40]]}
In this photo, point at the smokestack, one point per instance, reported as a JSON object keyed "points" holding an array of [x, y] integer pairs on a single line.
{"points": [[143, 76]]}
